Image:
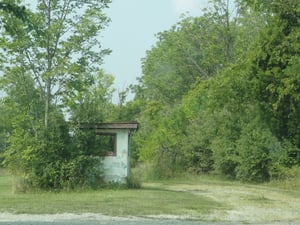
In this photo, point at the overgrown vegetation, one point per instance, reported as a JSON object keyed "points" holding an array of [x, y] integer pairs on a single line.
{"points": [[218, 93], [51, 81]]}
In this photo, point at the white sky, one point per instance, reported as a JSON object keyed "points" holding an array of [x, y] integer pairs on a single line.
{"points": [[132, 32]]}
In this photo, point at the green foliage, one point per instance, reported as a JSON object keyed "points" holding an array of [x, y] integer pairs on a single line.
{"points": [[222, 93], [254, 147], [197, 154], [60, 165], [219, 93], [164, 144], [92, 103], [13, 8], [225, 157], [192, 50], [51, 73], [184, 60], [199, 132], [276, 71]]}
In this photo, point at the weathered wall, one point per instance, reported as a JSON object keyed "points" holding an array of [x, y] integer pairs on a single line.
{"points": [[116, 168]]}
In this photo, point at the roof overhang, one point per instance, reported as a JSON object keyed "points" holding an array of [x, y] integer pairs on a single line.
{"points": [[132, 126]]}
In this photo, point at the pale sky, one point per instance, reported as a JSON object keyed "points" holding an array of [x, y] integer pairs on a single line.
{"points": [[132, 32]]}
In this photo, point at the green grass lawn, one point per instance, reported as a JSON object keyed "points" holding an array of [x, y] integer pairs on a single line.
{"points": [[193, 197], [118, 202]]}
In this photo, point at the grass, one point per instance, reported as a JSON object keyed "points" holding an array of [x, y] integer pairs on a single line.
{"points": [[119, 202], [194, 197], [109, 202]]}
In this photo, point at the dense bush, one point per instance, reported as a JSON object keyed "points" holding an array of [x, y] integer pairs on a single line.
{"points": [[69, 162], [254, 148]]}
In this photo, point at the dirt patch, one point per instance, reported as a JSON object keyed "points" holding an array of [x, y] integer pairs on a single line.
{"points": [[250, 203], [9, 217]]}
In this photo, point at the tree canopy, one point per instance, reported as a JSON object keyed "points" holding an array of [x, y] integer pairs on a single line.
{"points": [[221, 93], [51, 71], [218, 93]]}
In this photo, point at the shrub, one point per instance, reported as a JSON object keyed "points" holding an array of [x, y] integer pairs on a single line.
{"points": [[254, 147], [225, 156], [55, 165], [196, 149]]}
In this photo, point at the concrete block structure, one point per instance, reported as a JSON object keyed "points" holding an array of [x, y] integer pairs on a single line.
{"points": [[116, 162]]}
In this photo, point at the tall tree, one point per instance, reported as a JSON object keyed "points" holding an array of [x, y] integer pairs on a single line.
{"points": [[62, 53], [191, 52], [277, 68], [47, 65]]}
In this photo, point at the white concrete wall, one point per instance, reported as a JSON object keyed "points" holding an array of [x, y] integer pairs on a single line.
{"points": [[116, 168]]}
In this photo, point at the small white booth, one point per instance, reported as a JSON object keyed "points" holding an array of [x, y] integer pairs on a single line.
{"points": [[116, 162]]}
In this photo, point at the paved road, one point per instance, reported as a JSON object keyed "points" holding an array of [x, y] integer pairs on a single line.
{"points": [[139, 222], [152, 222], [112, 222], [96, 219]]}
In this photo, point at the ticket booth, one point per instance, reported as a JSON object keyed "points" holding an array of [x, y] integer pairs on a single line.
{"points": [[116, 161]]}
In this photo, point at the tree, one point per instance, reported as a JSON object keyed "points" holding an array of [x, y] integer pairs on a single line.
{"points": [[192, 50], [14, 9], [93, 105], [18, 12], [251, 105], [197, 53], [276, 69], [222, 93], [47, 67]]}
